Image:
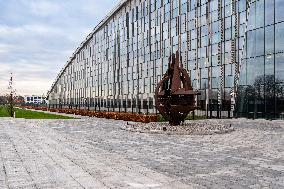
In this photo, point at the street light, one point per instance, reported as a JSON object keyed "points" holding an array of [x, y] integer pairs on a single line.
{"points": [[85, 102]]}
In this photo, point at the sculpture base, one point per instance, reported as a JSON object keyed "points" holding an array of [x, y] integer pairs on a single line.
{"points": [[199, 127]]}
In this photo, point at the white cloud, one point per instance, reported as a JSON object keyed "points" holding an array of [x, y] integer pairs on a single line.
{"points": [[37, 37], [5, 48], [29, 78], [30, 30], [44, 8]]}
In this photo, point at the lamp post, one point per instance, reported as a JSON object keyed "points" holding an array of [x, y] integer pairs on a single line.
{"points": [[85, 102], [60, 104]]}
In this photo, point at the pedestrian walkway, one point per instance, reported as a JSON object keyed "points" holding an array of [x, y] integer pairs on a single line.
{"points": [[97, 153]]}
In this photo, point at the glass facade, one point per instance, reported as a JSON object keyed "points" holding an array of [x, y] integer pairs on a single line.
{"points": [[260, 92], [233, 50]]}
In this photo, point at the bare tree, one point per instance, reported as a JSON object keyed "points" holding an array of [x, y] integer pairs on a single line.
{"points": [[11, 95], [266, 86]]}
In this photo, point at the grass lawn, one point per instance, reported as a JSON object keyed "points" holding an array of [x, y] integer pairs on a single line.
{"points": [[28, 114]]}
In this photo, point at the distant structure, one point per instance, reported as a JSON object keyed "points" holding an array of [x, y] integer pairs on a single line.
{"points": [[34, 99]]}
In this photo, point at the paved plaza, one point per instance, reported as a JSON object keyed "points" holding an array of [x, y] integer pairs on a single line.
{"points": [[97, 153]]}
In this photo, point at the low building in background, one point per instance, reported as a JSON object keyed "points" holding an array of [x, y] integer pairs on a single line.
{"points": [[34, 99]]}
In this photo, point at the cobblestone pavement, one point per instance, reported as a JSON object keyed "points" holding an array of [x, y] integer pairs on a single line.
{"points": [[96, 153]]}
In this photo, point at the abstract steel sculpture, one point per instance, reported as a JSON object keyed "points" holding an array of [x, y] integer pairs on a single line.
{"points": [[174, 95]]}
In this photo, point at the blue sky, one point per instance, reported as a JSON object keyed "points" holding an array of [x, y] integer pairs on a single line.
{"points": [[37, 37]]}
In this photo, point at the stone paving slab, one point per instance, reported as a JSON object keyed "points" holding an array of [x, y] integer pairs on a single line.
{"points": [[96, 153]]}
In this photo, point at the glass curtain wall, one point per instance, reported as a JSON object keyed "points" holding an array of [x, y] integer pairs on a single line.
{"points": [[230, 48], [261, 89]]}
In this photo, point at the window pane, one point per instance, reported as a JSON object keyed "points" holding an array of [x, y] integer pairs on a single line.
{"points": [[259, 42], [279, 67], [279, 7], [259, 14], [269, 40], [279, 37], [269, 65], [269, 12], [250, 44], [251, 17]]}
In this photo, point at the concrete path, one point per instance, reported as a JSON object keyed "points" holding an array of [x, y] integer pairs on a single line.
{"points": [[96, 153]]}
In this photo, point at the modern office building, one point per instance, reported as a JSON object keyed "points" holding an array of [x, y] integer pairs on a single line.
{"points": [[33, 99], [233, 50]]}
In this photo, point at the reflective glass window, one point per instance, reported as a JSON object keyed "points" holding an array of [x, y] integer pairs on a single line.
{"points": [[242, 5], [269, 40], [259, 14], [213, 5], [279, 7], [269, 65], [259, 40], [250, 44], [279, 67], [279, 37], [269, 12], [251, 17]]}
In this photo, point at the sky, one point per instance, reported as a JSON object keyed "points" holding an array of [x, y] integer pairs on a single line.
{"points": [[37, 37]]}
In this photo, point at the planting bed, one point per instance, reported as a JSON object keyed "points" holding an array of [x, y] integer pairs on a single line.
{"points": [[108, 115]]}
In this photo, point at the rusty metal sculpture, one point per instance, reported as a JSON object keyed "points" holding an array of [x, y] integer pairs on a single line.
{"points": [[174, 95]]}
